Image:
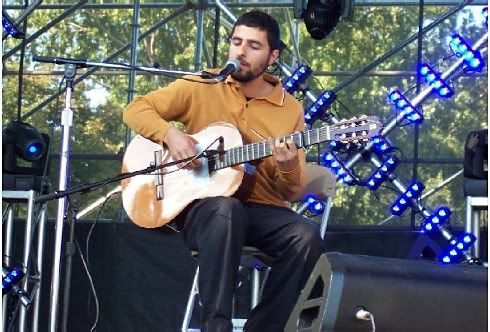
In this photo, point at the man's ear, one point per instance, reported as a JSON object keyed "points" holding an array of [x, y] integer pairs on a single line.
{"points": [[273, 57]]}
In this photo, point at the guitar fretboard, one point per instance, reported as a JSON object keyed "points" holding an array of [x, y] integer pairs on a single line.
{"points": [[242, 154]]}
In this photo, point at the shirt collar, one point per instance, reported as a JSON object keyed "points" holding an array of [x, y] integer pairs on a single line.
{"points": [[277, 95]]}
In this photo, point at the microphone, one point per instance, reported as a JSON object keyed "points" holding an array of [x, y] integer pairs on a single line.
{"points": [[232, 66]]}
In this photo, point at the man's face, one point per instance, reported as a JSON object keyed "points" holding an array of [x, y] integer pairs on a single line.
{"points": [[251, 48]]}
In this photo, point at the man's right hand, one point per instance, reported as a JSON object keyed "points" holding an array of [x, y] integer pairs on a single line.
{"points": [[181, 146]]}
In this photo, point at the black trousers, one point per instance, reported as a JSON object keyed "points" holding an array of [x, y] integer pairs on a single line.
{"points": [[219, 227]]}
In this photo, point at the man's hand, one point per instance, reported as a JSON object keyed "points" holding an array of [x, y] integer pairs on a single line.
{"points": [[181, 146], [285, 154]]}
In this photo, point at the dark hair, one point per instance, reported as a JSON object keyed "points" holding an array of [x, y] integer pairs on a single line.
{"points": [[263, 21]]}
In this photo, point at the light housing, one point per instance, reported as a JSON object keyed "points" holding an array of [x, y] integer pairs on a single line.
{"points": [[472, 58], [435, 220], [342, 174], [458, 245], [433, 78], [296, 81], [9, 26], [404, 107], [407, 199], [315, 205], [374, 181], [316, 110]]}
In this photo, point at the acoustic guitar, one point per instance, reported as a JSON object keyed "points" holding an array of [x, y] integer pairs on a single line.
{"points": [[153, 200]]}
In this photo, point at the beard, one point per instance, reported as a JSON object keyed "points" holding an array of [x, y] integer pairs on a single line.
{"points": [[249, 75]]}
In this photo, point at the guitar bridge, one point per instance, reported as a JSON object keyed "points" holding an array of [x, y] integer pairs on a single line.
{"points": [[159, 175]]}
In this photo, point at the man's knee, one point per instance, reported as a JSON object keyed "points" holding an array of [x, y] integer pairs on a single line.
{"points": [[308, 238]]}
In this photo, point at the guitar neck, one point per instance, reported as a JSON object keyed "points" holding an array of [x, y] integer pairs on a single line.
{"points": [[254, 151]]}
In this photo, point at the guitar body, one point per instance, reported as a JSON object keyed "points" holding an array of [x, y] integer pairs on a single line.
{"points": [[181, 187]]}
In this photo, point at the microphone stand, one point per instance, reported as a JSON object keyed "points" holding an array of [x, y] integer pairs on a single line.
{"points": [[71, 66]]}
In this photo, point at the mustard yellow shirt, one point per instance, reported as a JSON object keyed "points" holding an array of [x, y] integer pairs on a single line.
{"points": [[198, 105]]}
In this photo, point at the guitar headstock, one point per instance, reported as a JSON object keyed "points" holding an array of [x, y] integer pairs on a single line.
{"points": [[356, 130]]}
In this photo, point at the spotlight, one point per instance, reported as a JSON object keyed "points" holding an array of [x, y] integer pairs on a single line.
{"points": [[11, 279], [24, 152], [381, 145], [435, 220], [9, 26], [472, 58], [335, 164], [407, 199], [435, 81], [317, 109], [296, 81], [381, 174], [409, 112], [458, 245], [315, 205], [321, 17]]}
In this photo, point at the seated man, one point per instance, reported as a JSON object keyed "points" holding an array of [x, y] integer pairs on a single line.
{"points": [[255, 103]]}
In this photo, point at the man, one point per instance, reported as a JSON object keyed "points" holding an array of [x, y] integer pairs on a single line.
{"points": [[218, 227]]}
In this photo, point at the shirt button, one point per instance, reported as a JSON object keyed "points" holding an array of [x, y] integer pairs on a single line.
{"points": [[246, 105]]}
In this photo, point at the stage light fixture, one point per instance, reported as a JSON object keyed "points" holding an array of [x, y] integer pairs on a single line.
{"points": [[342, 174], [24, 156], [11, 278], [381, 145], [314, 205], [409, 112], [295, 82], [9, 26], [321, 17], [472, 58], [317, 109], [458, 245], [435, 220], [435, 81], [381, 174], [407, 199]]}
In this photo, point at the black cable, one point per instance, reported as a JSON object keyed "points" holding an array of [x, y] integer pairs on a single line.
{"points": [[91, 286], [87, 257]]}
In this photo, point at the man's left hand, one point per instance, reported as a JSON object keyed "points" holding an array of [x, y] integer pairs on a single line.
{"points": [[285, 154]]}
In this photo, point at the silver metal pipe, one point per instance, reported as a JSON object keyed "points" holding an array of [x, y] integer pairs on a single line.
{"points": [[67, 123], [7, 254], [31, 195], [40, 254], [255, 296], [325, 217], [199, 39]]}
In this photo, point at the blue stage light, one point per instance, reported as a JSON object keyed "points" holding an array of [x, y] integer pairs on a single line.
{"points": [[11, 278], [317, 109], [472, 58], [436, 219], [409, 112], [381, 174], [381, 145], [314, 205], [458, 245], [337, 167], [297, 79], [435, 81], [407, 199], [9, 26]]}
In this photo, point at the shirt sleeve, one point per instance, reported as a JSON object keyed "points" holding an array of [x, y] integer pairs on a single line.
{"points": [[291, 185], [149, 115]]}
